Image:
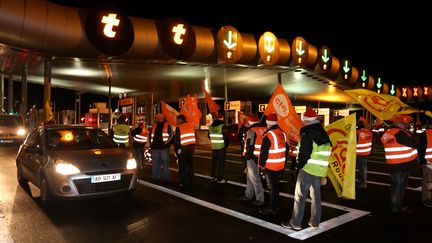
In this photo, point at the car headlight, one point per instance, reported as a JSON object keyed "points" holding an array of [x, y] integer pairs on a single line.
{"points": [[131, 164], [21, 132], [66, 169]]}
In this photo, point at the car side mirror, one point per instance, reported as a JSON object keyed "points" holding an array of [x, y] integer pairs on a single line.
{"points": [[34, 150]]}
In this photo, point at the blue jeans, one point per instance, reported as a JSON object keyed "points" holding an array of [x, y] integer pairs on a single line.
{"points": [[306, 182], [253, 182], [362, 167], [160, 157], [399, 180], [426, 182]]}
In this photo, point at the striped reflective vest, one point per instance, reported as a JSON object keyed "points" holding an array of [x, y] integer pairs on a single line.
{"points": [[318, 163], [259, 131], [121, 133], [216, 137], [187, 134], [276, 157], [395, 152], [293, 150], [165, 134], [142, 137], [364, 144], [428, 155]]}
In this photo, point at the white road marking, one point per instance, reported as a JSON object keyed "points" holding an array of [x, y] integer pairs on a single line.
{"points": [[303, 234]]}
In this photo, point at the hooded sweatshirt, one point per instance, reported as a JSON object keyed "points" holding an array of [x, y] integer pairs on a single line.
{"points": [[310, 133]]}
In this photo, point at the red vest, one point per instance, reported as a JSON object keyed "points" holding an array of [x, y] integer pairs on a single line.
{"points": [[165, 134], [142, 137], [187, 134], [259, 131], [364, 144], [394, 152], [276, 157], [428, 155]]}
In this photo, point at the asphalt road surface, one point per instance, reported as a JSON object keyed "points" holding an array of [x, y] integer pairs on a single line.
{"points": [[209, 212]]}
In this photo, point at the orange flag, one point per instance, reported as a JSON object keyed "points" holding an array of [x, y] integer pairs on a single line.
{"points": [[288, 120], [191, 111], [212, 105], [169, 113]]}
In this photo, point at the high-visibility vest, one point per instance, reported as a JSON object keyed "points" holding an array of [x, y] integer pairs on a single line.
{"points": [[364, 144], [259, 131], [121, 133], [394, 152], [165, 134], [293, 150], [216, 137], [428, 155], [187, 134], [276, 156], [142, 137], [318, 163]]}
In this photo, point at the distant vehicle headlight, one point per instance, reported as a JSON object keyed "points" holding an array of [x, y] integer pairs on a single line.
{"points": [[66, 169], [21, 132], [131, 164]]}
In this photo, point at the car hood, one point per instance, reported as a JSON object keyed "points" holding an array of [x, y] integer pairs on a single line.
{"points": [[93, 160]]}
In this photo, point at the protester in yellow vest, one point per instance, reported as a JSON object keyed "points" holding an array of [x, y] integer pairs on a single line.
{"points": [[121, 132], [312, 161], [218, 134]]}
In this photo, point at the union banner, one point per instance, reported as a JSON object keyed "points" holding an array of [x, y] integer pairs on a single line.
{"points": [[342, 164]]}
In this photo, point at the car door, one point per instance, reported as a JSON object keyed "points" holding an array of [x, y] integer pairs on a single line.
{"points": [[34, 157]]}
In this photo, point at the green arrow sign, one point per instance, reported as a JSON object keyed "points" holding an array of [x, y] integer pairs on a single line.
{"points": [[229, 43], [379, 84], [346, 67], [300, 50], [363, 76], [325, 57], [392, 90]]}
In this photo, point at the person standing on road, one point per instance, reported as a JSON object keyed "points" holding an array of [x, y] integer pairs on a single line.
{"points": [[184, 146], [364, 148], [120, 132], [400, 150], [251, 151], [312, 161], [425, 156], [140, 136], [272, 159], [218, 134], [160, 138]]}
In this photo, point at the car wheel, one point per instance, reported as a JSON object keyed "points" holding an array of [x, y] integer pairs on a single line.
{"points": [[21, 179], [45, 195]]}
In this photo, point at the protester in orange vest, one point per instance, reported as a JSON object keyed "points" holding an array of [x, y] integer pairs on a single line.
{"points": [[140, 136], [400, 150], [425, 156], [251, 151], [364, 148], [184, 146], [273, 157]]}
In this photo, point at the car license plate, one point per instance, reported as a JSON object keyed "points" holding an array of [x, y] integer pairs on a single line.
{"points": [[105, 178]]}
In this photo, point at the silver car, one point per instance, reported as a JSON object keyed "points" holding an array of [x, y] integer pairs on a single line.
{"points": [[69, 162]]}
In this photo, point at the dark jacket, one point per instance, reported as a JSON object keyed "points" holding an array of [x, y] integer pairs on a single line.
{"points": [[250, 142], [422, 147], [308, 134], [157, 142], [135, 131], [265, 147]]}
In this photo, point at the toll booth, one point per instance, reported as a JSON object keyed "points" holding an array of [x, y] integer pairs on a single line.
{"points": [[126, 106], [98, 116]]}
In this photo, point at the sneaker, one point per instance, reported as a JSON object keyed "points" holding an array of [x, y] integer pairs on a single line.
{"points": [[245, 199], [213, 179], [427, 203], [312, 225], [257, 203], [288, 225], [222, 181]]}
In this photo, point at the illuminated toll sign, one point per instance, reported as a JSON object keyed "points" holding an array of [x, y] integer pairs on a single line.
{"points": [[300, 50], [268, 47], [346, 69], [392, 89], [364, 78], [325, 58], [379, 85], [110, 33], [177, 38], [229, 44]]}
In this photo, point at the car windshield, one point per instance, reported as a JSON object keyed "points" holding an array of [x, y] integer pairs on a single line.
{"points": [[77, 138], [10, 121]]}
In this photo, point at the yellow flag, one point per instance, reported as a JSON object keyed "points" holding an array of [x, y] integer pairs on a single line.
{"points": [[342, 163], [49, 116], [382, 106]]}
